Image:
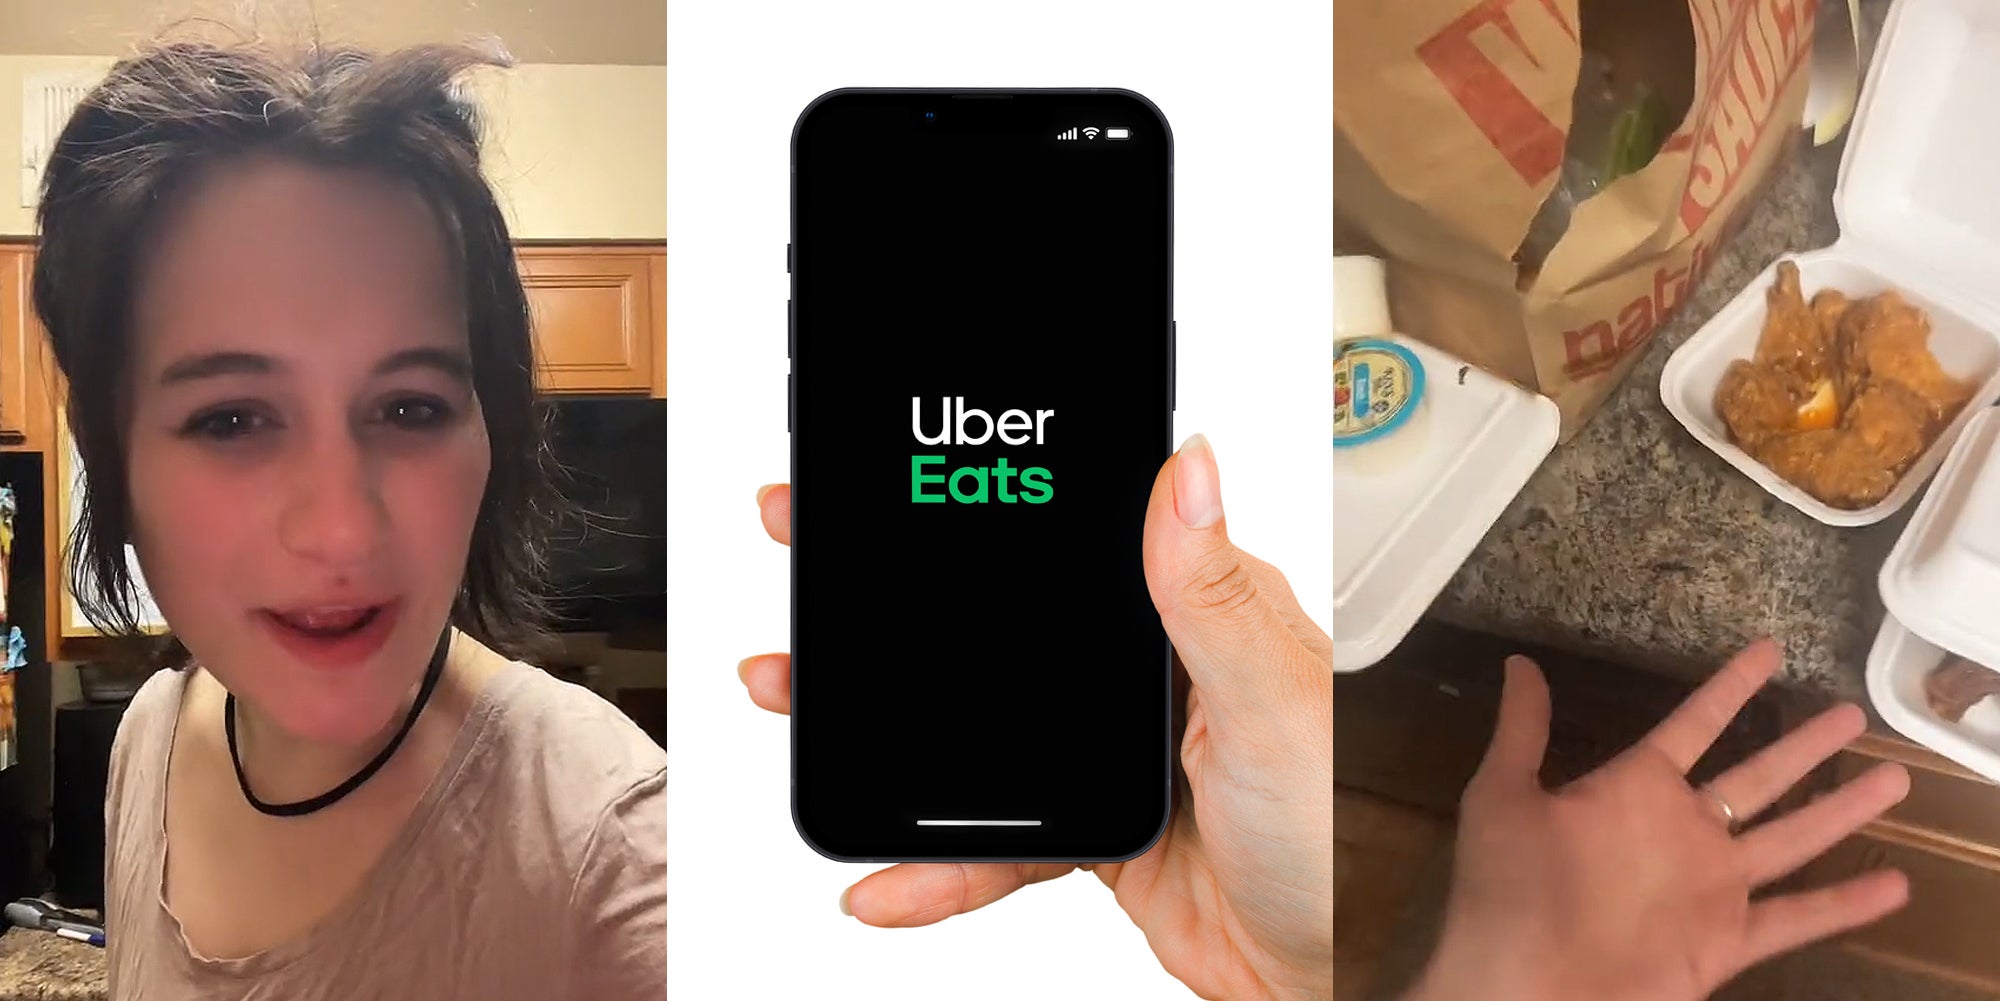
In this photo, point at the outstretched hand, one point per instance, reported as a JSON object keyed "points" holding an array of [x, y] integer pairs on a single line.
{"points": [[1632, 884], [1236, 899]]}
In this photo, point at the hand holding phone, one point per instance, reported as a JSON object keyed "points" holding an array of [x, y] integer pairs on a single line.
{"points": [[1237, 898]]}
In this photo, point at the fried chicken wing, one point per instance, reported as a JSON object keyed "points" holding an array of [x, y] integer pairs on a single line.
{"points": [[1842, 395], [1892, 421], [1892, 344], [1760, 402], [1832, 464], [1792, 335], [1828, 306]]}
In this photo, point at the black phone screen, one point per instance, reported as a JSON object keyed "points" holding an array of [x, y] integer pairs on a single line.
{"points": [[981, 400]]}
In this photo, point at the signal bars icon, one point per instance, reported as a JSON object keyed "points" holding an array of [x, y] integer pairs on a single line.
{"points": [[1089, 132]]}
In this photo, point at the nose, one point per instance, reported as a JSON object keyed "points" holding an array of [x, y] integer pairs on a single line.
{"points": [[333, 512]]}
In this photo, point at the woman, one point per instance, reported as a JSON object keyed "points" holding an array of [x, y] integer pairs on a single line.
{"points": [[299, 371]]}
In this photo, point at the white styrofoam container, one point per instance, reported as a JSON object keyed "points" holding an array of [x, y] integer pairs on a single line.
{"points": [[1897, 665], [1942, 579], [1918, 212], [1399, 536], [1941, 586]]}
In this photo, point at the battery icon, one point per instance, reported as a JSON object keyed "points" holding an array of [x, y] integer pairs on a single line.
{"points": [[1117, 133]]}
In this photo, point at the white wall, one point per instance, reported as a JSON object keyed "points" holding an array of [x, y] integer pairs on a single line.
{"points": [[576, 152]]}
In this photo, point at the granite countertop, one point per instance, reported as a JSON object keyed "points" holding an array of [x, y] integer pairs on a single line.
{"points": [[1637, 544], [39, 966]]}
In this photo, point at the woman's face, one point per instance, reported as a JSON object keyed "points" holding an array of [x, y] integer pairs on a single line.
{"points": [[306, 453]]}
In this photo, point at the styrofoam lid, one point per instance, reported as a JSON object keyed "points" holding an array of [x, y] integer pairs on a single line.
{"points": [[1408, 510], [1916, 180], [1360, 297], [1942, 579]]}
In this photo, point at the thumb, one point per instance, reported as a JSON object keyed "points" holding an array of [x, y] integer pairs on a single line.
{"points": [[1221, 606], [1521, 734]]}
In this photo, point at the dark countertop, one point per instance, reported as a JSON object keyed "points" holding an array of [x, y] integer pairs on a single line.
{"points": [[1636, 544], [38, 966]]}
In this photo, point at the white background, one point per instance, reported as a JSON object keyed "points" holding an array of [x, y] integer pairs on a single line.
{"points": [[1247, 88]]}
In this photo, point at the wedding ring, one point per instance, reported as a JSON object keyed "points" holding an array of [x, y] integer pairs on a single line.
{"points": [[1728, 813]]}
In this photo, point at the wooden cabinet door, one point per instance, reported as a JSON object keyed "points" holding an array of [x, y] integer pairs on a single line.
{"points": [[1945, 836], [594, 318], [23, 400], [659, 274], [1946, 931]]}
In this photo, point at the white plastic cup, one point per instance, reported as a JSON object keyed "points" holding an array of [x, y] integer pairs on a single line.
{"points": [[1380, 394], [1360, 298]]}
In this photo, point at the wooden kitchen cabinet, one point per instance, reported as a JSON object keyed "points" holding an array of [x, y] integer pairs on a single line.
{"points": [[1946, 802], [1946, 837], [24, 394], [600, 318], [1947, 929]]}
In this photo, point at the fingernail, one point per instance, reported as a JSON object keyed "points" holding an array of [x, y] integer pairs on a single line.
{"points": [[765, 489], [1901, 782], [1197, 485], [743, 669], [844, 908]]}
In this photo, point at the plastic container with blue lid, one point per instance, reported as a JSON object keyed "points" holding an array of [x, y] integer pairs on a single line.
{"points": [[1428, 451], [1378, 386], [1379, 392]]}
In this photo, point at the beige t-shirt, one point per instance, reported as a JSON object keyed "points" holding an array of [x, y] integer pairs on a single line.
{"points": [[533, 869]]}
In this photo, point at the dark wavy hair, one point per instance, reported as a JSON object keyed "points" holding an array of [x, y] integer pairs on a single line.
{"points": [[145, 135]]}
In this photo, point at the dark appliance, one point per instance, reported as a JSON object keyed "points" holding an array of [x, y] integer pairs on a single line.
{"points": [[608, 560], [84, 731], [17, 836]]}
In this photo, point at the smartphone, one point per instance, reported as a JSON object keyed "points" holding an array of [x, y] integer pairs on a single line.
{"points": [[981, 395]]}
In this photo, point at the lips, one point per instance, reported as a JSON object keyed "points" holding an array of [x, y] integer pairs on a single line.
{"points": [[329, 621], [332, 636]]}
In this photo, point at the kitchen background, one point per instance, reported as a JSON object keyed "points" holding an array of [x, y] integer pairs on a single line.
{"points": [[577, 152]]}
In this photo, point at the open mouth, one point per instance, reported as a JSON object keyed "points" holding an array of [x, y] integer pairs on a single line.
{"points": [[328, 623], [333, 636]]}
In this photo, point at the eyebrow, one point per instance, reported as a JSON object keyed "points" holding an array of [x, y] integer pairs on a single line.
{"points": [[450, 361], [453, 362], [219, 363]]}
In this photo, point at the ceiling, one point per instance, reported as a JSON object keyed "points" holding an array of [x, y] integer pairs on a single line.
{"points": [[621, 32]]}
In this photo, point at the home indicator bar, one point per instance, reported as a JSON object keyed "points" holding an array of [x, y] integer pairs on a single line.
{"points": [[979, 823]]}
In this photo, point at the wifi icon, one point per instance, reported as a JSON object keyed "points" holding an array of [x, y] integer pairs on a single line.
{"points": [[1090, 132]]}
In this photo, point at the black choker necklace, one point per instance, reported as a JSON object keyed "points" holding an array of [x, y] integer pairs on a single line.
{"points": [[339, 792]]}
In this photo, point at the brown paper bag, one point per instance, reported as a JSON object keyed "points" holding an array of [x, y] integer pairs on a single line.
{"points": [[1450, 124]]}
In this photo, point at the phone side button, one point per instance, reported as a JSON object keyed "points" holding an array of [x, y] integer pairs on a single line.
{"points": [[788, 258], [788, 404], [791, 324], [1173, 362]]}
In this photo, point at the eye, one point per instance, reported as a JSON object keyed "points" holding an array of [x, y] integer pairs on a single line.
{"points": [[415, 413], [225, 424]]}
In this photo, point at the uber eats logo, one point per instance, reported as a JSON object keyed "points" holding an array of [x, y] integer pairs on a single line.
{"points": [[1003, 481]]}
